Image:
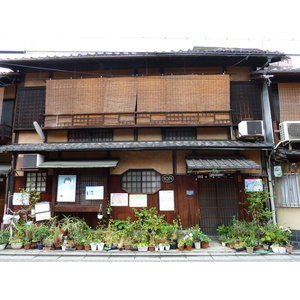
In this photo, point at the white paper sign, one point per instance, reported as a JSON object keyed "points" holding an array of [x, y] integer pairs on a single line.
{"points": [[21, 199], [42, 207], [43, 216], [119, 199], [94, 192], [166, 200], [138, 200]]}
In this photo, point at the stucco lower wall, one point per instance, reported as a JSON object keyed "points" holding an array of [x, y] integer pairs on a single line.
{"points": [[161, 161], [289, 217]]}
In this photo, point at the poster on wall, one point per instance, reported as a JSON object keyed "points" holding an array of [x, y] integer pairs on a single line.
{"points": [[138, 200], [253, 185], [119, 199], [166, 200], [66, 188], [94, 192]]}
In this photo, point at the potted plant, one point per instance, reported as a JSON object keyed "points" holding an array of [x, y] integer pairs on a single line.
{"points": [[93, 241], [17, 239], [197, 238], [205, 240], [188, 240], [40, 233], [4, 239], [27, 244], [180, 244], [249, 243], [87, 242], [240, 246]]}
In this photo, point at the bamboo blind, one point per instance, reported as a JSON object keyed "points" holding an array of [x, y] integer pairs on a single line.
{"points": [[184, 93], [289, 97], [174, 93], [75, 96]]}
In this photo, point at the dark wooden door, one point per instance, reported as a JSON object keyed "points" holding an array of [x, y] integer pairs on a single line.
{"points": [[218, 200], [2, 197]]}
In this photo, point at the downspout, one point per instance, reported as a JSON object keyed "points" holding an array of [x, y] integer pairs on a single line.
{"points": [[270, 138]]}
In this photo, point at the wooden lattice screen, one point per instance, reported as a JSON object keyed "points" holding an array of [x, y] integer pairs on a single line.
{"points": [[245, 101], [289, 97], [30, 106]]}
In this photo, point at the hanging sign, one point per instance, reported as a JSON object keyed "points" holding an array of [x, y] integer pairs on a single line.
{"points": [[253, 185], [167, 178]]}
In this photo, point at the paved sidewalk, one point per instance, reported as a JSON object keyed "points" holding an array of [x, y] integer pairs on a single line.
{"points": [[215, 253]]}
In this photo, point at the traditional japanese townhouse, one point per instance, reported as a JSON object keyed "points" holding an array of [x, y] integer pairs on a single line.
{"points": [[7, 96], [285, 159], [180, 131]]}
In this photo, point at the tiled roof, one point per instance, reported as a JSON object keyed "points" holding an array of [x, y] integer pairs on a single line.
{"points": [[216, 144], [220, 163], [50, 55]]}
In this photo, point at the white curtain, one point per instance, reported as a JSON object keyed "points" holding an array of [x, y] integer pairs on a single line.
{"points": [[289, 187]]}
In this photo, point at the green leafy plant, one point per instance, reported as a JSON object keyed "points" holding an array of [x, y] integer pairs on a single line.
{"points": [[4, 237], [40, 233], [249, 242], [205, 238], [257, 206]]}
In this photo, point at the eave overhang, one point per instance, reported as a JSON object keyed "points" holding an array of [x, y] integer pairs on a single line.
{"points": [[147, 145]]}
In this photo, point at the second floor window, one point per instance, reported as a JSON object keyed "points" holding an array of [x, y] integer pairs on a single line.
{"points": [[179, 134], [90, 135]]}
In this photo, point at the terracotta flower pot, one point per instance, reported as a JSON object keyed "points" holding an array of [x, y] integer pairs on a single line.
{"points": [[181, 248], [27, 246], [204, 245], [189, 247]]}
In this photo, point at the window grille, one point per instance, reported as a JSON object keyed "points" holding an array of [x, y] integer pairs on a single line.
{"points": [[179, 134], [90, 135], [289, 190], [36, 181], [141, 181], [84, 178]]}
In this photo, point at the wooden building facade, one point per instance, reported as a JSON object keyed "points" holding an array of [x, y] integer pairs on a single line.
{"points": [[142, 130]]}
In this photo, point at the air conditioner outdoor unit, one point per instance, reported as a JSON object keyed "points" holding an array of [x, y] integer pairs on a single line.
{"points": [[251, 128], [32, 161], [290, 131]]}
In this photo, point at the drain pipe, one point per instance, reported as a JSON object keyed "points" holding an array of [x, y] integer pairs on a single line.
{"points": [[271, 188]]}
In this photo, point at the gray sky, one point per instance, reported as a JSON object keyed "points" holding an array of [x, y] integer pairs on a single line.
{"points": [[35, 25]]}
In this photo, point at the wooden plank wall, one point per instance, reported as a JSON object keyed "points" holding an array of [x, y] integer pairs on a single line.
{"points": [[186, 207]]}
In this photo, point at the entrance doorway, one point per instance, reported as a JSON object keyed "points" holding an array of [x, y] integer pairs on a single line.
{"points": [[218, 200], [2, 196]]}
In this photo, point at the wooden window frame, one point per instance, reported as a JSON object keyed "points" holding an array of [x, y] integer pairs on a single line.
{"points": [[179, 134], [40, 181], [142, 181], [90, 135]]}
